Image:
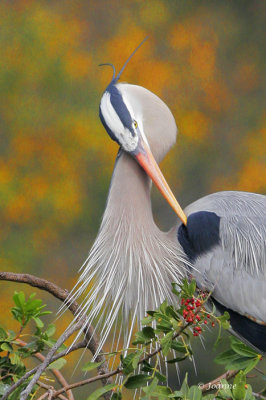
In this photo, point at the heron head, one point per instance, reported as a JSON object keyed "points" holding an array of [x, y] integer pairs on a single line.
{"points": [[125, 111]]}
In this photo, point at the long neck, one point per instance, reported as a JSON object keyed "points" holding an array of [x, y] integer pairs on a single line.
{"points": [[129, 202], [132, 263]]}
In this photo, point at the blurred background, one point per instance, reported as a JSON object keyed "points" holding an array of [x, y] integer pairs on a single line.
{"points": [[204, 59]]}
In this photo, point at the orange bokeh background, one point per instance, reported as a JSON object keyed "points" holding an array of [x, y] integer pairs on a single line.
{"points": [[204, 59]]}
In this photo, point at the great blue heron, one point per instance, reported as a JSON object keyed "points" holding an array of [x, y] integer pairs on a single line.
{"points": [[132, 263]]}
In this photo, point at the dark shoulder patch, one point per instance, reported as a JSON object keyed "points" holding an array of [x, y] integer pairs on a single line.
{"points": [[200, 235], [254, 333]]}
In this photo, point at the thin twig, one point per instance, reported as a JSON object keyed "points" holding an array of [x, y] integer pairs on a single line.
{"points": [[80, 345], [87, 381], [68, 332], [119, 369], [43, 396], [61, 294], [47, 387], [259, 396], [227, 375], [60, 378], [50, 394]]}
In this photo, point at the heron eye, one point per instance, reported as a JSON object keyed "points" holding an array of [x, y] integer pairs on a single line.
{"points": [[135, 124]]}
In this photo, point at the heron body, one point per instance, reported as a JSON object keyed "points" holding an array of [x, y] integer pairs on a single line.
{"points": [[221, 240]]}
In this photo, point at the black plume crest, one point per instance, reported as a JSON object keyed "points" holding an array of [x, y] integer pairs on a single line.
{"points": [[117, 77]]}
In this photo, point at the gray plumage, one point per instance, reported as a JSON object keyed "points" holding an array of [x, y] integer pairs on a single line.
{"points": [[132, 262]]}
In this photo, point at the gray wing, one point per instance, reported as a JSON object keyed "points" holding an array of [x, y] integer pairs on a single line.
{"points": [[234, 266]]}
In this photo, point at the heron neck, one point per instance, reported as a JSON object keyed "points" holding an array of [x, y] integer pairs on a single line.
{"points": [[130, 251], [129, 200]]}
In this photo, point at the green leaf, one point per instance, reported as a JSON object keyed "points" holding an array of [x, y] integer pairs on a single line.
{"points": [[146, 320], [226, 356], [175, 289], [38, 322], [19, 299], [15, 359], [148, 332], [239, 363], [177, 359], [31, 305], [146, 367], [161, 377], [137, 381], [163, 320], [89, 366], [172, 313], [249, 394], [225, 320], [3, 334], [239, 386], [163, 328], [244, 350], [163, 306], [151, 313], [176, 393], [99, 392], [117, 396], [251, 365], [58, 364], [6, 347], [178, 346], [225, 390], [140, 339], [192, 288], [194, 393], [166, 343], [184, 388], [50, 330], [152, 387], [50, 342], [130, 362]]}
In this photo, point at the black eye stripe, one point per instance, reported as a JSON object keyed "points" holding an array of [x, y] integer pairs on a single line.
{"points": [[108, 130], [120, 107]]}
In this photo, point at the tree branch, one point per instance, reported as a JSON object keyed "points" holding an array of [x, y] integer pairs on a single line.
{"points": [[227, 375], [87, 381], [61, 294], [48, 387], [80, 345], [118, 370], [60, 378]]}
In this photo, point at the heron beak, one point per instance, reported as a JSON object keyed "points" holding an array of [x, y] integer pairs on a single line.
{"points": [[145, 158]]}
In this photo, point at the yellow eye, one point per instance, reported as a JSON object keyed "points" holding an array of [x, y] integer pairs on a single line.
{"points": [[135, 124]]}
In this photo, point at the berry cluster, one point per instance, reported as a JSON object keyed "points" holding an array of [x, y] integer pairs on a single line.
{"points": [[194, 313]]}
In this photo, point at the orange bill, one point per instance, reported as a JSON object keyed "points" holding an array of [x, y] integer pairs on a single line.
{"points": [[148, 163]]}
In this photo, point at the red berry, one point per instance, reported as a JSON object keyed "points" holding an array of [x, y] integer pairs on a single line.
{"points": [[213, 324], [195, 334], [198, 317], [205, 321], [198, 328], [208, 316]]}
